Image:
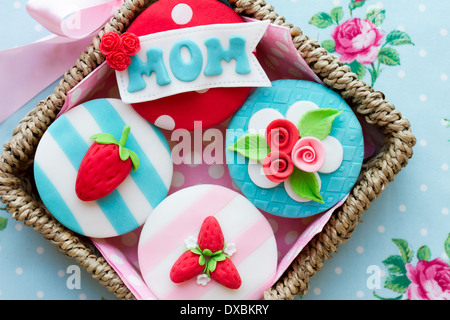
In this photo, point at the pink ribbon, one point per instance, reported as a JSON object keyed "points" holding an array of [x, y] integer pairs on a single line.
{"points": [[29, 69]]}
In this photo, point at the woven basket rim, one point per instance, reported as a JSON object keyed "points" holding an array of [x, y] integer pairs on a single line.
{"points": [[16, 189]]}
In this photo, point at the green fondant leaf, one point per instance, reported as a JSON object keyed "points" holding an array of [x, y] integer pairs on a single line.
{"points": [[207, 252], [124, 153], [134, 160], [196, 251], [219, 257], [305, 184], [317, 122], [202, 260], [104, 138], [212, 264], [251, 145]]}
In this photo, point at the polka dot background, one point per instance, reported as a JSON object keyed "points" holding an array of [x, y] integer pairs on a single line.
{"points": [[415, 207]]}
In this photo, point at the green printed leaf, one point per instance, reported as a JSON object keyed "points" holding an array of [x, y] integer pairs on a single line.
{"points": [[305, 184], [321, 20], [384, 298], [251, 145], [317, 122], [447, 246], [337, 14], [405, 250], [358, 68], [3, 223], [397, 37], [328, 45], [424, 253], [389, 56], [376, 15], [397, 279], [397, 283], [395, 265], [356, 4]]}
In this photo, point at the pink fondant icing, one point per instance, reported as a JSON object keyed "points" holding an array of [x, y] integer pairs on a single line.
{"points": [[194, 215], [246, 242], [308, 154]]}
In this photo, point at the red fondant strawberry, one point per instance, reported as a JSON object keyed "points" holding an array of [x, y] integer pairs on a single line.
{"points": [[186, 267], [226, 274], [104, 166], [210, 235], [207, 258]]}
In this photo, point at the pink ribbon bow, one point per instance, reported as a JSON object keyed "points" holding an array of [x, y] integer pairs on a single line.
{"points": [[32, 68]]}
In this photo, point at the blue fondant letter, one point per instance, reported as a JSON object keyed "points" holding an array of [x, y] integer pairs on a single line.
{"points": [[154, 64], [186, 71], [216, 53]]}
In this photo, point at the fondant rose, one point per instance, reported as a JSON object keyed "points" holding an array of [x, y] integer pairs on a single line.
{"points": [[308, 154], [110, 42], [277, 166], [118, 60], [430, 280], [130, 43], [281, 135], [357, 39]]}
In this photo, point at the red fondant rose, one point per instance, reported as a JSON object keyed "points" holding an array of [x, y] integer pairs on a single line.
{"points": [[277, 166], [110, 42], [130, 43], [119, 49], [281, 135], [118, 60]]}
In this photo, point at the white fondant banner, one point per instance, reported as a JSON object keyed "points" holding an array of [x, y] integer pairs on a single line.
{"points": [[194, 59]]}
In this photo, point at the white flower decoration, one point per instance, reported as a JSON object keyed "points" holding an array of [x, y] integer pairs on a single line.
{"points": [[230, 249], [190, 242], [203, 279]]}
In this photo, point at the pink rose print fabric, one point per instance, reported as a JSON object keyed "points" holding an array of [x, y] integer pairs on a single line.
{"points": [[357, 39]]}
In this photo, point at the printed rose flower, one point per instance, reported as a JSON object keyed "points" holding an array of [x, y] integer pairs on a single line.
{"points": [[308, 154], [281, 135], [430, 280], [130, 43], [110, 42], [357, 39], [277, 166], [118, 60]]}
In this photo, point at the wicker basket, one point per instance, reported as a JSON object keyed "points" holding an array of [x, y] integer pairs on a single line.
{"points": [[18, 191]]}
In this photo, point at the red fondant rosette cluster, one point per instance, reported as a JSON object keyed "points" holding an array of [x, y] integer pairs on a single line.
{"points": [[289, 150], [119, 49]]}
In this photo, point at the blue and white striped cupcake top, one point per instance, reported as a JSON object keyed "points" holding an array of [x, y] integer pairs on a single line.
{"points": [[62, 149]]}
